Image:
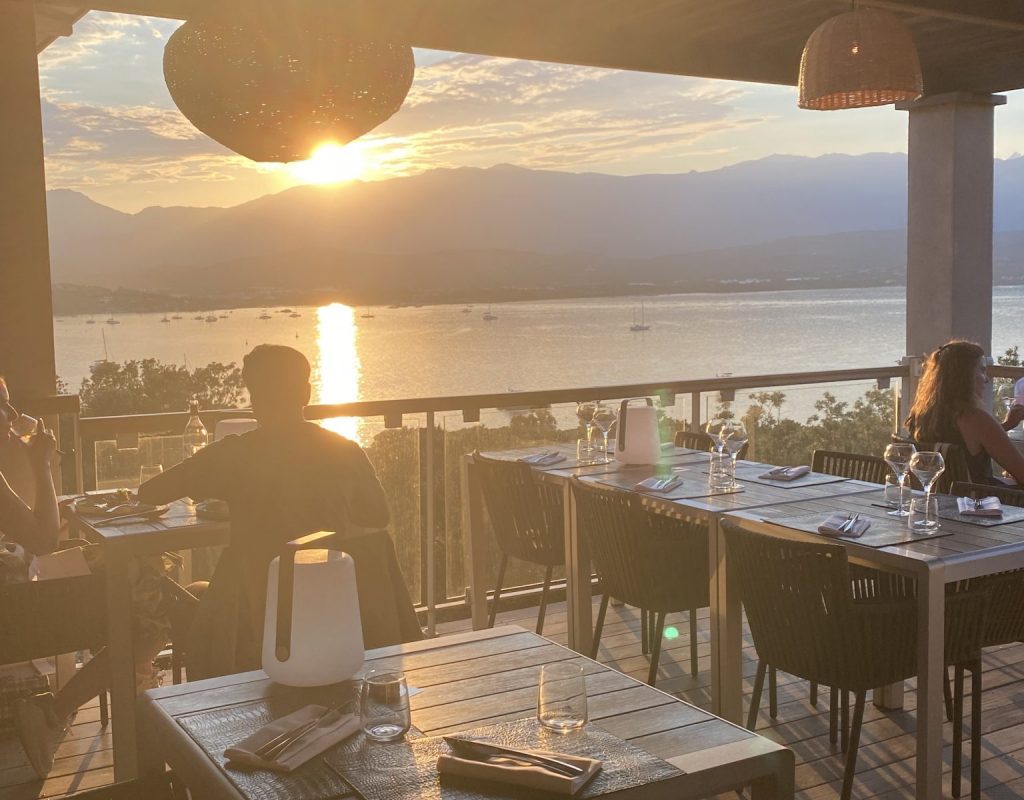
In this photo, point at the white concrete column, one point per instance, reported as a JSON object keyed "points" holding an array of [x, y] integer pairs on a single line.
{"points": [[26, 307], [949, 220]]}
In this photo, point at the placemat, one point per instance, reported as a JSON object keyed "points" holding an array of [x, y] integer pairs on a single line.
{"points": [[689, 489], [948, 510], [407, 770], [747, 472], [215, 730], [882, 533]]}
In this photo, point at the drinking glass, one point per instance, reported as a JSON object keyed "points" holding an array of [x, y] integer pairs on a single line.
{"points": [[149, 471], [384, 705], [24, 427], [897, 456], [716, 429], [927, 465], [734, 435], [604, 416], [585, 414], [722, 472], [562, 697], [922, 510]]}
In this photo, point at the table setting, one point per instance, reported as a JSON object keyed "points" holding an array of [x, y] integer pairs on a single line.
{"points": [[118, 505]]}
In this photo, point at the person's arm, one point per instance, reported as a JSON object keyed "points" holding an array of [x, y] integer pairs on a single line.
{"points": [[1013, 417], [36, 529], [368, 505], [998, 445], [198, 477]]}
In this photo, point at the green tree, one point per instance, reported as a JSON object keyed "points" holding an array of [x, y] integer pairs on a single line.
{"points": [[149, 386]]}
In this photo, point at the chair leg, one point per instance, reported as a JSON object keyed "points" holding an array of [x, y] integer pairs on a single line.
{"points": [[851, 753], [773, 693], [755, 698], [599, 627], [645, 630], [844, 720], [497, 590], [693, 642], [543, 600], [947, 696], [833, 715], [958, 725], [976, 730], [104, 710], [659, 624], [814, 693]]}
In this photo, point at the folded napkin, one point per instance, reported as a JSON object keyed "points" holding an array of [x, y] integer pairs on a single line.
{"points": [[785, 473], [836, 520], [657, 485], [985, 507], [543, 459], [311, 744], [512, 773]]}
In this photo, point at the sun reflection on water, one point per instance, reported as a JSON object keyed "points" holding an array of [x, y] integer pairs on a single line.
{"points": [[337, 367]]}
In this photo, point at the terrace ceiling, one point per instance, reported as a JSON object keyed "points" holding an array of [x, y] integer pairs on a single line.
{"points": [[976, 46]]}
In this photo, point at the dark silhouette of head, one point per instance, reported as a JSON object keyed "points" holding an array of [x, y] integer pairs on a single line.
{"points": [[277, 378]]}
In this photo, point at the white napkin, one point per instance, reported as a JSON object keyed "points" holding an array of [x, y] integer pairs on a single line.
{"points": [[785, 473], [831, 526], [657, 485], [310, 745], [514, 774], [985, 507], [543, 459]]}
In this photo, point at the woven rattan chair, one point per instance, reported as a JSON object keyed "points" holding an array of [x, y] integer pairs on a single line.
{"points": [[855, 466], [695, 440], [528, 520], [806, 617], [644, 559]]}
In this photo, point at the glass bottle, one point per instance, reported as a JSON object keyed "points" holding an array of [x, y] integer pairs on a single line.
{"points": [[196, 437]]}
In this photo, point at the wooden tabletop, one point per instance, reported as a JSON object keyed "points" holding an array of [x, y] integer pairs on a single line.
{"points": [[483, 677], [178, 529]]}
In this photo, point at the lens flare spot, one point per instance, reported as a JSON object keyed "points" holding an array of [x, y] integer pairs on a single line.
{"points": [[671, 632]]}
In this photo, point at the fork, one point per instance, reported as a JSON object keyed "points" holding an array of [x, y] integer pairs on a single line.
{"points": [[847, 526], [272, 749]]}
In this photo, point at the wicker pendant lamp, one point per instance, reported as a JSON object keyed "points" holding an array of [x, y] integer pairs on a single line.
{"points": [[274, 91], [865, 57]]}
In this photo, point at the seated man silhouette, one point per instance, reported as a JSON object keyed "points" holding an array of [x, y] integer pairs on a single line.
{"points": [[285, 479]]}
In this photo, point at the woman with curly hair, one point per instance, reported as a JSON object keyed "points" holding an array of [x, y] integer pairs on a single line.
{"points": [[949, 407]]}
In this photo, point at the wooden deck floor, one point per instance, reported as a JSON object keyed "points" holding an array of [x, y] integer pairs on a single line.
{"points": [[885, 765]]}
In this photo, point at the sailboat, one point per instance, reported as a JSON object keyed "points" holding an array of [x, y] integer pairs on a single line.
{"points": [[113, 321], [264, 315], [90, 321], [642, 324], [488, 316], [166, 318], [106, 356], [367, 314]]}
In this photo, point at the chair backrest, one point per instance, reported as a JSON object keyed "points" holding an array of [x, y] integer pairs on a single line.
{"points": [[43, 618], [956, 470], [527, 515], [696, 440], [645, 559], [1007, 495], [234, 426], [855, 466]]}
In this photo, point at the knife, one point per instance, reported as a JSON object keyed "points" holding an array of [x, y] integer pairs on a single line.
{"points": [[484, 750]]}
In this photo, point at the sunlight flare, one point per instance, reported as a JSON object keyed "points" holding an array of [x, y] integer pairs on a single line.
{"points": [[331, 163], [338, 364]]}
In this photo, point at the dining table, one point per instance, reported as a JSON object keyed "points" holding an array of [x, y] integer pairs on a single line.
{"points": [[654, 745], [693, 499], [178, 528], [962, 547]]}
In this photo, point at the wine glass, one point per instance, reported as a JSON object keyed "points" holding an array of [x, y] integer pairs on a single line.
{"points": [[734, 435], [716, 430], [927, 465], [604, 416], [585, 414], [897, 456], [149, 471]]}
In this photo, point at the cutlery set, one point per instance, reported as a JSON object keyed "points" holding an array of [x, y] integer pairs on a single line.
{"points": [[273, 749], [485, 751], [851, 520]]}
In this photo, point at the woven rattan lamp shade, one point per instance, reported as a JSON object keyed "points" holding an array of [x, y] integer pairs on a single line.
{"points": [[274, 93], [865, 57]]}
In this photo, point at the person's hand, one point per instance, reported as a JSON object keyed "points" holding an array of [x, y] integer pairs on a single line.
{"points": [[42, 447], [1014, 416]]}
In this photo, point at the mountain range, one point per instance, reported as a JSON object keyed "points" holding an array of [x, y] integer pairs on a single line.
{"points": [[506, 232]]}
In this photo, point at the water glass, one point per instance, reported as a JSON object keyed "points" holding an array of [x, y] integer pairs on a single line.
{"points": [[924, 513], [585, 451], [562, 697], [722, 471], [24, 427], [893, 492], [149, 471], [384, 706]]}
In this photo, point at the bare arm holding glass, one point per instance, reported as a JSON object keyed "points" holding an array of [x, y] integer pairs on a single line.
{"points": [[37, 529]]}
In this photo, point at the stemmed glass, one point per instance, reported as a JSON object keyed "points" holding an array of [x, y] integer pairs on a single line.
{"points": [[717, 430], [927, 465], [897, 456], [604, 416], [585, 414], [734, 436]]}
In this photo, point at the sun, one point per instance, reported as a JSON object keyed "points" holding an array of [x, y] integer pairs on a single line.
{"points": [[331, 163]]}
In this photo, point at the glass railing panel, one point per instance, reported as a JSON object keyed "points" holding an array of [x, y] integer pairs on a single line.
{"points": [[121, 467]]}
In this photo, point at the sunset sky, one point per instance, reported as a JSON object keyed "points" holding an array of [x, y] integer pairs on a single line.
{"points": [[113, 132]]}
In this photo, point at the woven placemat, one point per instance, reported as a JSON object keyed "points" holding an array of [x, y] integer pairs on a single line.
{"points": [[752, 474], [407, 770], [882, 533], [948, 509]]}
